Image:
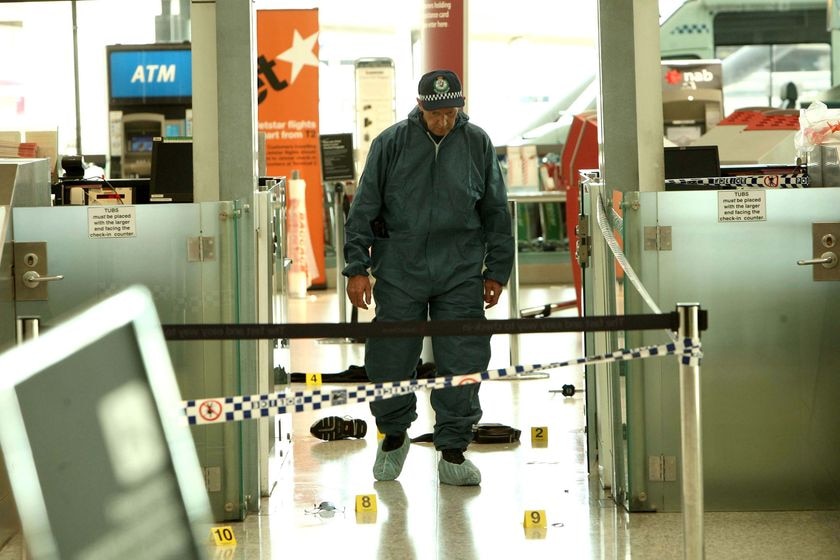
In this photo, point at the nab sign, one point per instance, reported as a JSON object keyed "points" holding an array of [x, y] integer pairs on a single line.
{"points": [[691, 75]]}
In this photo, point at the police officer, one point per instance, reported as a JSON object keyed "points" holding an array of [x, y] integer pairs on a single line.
{"points": [[430, 221]]}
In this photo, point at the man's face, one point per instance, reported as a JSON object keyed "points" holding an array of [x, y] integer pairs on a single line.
{"points": [[440, 121]]}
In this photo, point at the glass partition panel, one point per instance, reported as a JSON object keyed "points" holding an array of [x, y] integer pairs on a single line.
{"points": [[217, 363], [95, 268], [769, 379], [7, 283], [248, 379], [645, 405], [601, 298], [186, 254], [786, 75]]}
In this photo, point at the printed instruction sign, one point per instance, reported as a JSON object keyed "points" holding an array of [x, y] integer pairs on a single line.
{"points": [[111, 222], [742, 205], [337, 157]]}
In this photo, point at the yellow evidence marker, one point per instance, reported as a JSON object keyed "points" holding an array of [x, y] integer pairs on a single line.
{"points": [[535, 519], [539, 436], [366, 502], [223, 536], [535, 524], [313, 379], [366, 508]]}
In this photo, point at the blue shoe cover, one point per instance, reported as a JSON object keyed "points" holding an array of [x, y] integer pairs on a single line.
{"points": [[465, 474], [389, 464]]}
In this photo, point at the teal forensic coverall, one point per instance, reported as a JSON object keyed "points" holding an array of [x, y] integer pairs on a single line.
{"points": [[443, 226]]}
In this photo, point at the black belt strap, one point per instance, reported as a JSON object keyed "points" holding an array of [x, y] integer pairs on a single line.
{"points": [[467, 327]]}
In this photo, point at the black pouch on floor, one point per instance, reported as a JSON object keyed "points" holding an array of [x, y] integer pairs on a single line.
{"points": [[495, 433], [482, 433]]}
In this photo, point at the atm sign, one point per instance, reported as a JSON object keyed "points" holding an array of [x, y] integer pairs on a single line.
{"points": [[150, 74]]}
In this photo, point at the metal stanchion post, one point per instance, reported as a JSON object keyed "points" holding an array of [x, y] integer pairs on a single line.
{"points": [[340, 279], [338, 224], [513, 284], [691, 445]]}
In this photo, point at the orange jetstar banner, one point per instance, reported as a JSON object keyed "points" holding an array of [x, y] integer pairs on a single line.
{"points": [[287, 69]]}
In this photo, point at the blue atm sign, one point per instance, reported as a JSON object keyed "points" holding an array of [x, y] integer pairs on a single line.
{"points": [[150, 74]]}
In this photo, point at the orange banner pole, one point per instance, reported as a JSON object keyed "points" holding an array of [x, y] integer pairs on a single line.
{"points": [[287, 71]]}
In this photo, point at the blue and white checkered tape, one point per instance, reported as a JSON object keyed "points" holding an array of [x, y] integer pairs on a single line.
{"points": [[690, 29], [234, 409], [780, 181]]}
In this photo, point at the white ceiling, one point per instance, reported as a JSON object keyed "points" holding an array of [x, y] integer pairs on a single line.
{"points": [[556, 21], [538, 20]]}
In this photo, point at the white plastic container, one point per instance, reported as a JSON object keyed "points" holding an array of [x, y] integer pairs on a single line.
{"points": [[297, 228]]}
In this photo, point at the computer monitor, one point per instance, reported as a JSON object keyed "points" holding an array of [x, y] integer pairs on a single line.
{"points": [[172, 170], [689, 162], [101, 461]]}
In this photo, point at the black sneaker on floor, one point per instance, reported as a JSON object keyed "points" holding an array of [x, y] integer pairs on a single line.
{"points": [[334, 427]]}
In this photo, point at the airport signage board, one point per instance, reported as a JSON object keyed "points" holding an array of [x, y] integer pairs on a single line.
{"points": [[148, 73]]}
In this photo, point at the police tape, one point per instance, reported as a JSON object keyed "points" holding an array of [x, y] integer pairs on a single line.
{"points": [[779, 181], [247, 407]]}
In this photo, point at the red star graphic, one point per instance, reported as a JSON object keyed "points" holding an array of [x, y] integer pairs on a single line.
{"points": [[673, 76]]}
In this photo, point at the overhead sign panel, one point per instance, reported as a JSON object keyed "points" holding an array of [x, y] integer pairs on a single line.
{"points": [[150, 73]]}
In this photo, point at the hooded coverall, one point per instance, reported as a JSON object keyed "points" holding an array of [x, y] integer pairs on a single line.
{"points": [[447, 226]]}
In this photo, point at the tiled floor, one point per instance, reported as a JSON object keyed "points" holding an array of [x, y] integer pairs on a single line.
{"points": [[417, 518]]}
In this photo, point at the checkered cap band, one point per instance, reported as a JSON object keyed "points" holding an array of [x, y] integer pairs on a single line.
{"points": [[440, 89], [434, 97]]}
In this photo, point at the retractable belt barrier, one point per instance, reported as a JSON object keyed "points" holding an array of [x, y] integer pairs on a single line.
{"points": [[245, 407], [465, 327]]}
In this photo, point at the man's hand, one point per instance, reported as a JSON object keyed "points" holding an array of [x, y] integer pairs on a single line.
{"points": [[492, 291], [358, 290]]}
